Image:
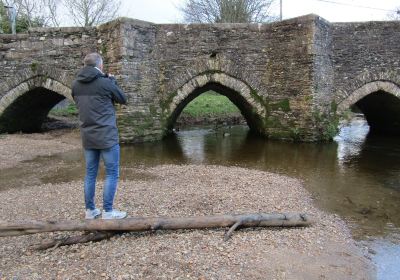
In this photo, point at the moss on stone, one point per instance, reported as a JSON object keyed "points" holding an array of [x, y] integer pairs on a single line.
{"points": [[281, 134], [327, 124], [334, 107], [153, 110], [308, 98], [165, 102], [166, 114], [273, 122], [296, 133], [103, 48], [142, 128], [259, 99], [34, 66], [283, 105]]}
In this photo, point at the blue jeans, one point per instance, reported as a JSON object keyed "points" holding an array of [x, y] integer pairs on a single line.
{"points": [[110, 158]]}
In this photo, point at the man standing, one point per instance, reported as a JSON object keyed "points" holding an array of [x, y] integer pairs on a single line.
{"points": [[94, 93]]}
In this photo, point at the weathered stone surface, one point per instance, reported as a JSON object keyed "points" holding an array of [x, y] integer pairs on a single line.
{"points": [[290, 79]]}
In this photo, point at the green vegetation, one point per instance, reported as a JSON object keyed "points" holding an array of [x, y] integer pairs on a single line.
{"points": [[34, 66], [210, 104], [282, 105], [259, 98], [23, 22], [68, 111], [327, 124], [103, 49]]}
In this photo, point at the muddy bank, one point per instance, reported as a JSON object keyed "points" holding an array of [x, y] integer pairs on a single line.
{"points": [[323, 251], [60, 122], [186, 120]]}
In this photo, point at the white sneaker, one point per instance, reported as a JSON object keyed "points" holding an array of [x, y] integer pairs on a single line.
{"points": [[92, 214], [114, 214]]}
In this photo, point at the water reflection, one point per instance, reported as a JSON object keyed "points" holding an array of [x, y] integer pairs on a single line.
{"points": [[351, 138], [193, 145]]}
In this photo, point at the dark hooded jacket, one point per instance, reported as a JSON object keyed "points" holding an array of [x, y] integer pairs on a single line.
{"points": [[94, 94]]}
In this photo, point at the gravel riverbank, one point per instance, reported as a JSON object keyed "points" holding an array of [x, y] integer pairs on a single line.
{"points": [[322, 251], [15, 148]]}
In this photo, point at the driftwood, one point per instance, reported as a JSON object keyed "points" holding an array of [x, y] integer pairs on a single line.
{"points": [[102, 229], [70, 240]]}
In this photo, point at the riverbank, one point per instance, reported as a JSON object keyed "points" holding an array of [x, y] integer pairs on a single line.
{"points": [[185, 121], [323, 251]]}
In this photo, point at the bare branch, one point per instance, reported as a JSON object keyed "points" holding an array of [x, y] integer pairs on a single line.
{"points": [[209, 11], [37, 12], [92, 12], [395, 15], [52, 10]]}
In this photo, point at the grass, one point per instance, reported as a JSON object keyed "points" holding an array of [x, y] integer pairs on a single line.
{"points": [[68, 111], [210, 104]]}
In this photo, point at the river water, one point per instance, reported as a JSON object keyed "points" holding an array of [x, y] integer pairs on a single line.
{"points": [[357, 176]]}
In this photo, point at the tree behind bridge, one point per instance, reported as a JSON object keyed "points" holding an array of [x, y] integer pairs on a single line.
{"points": [[92, 12], [233, 11], [395, 15], [46, 13], [29, 13]]}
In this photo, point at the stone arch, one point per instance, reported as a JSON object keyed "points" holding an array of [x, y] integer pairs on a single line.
{"points": [[379, 101], [239, 93], [24, 106], [368, 88]]}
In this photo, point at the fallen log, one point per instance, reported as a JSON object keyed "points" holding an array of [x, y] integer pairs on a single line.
{"points": [[70, 240], [143, 224], [97, 230]]}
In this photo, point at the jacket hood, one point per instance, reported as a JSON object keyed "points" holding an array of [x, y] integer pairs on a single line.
{"points": [[88, 74]]}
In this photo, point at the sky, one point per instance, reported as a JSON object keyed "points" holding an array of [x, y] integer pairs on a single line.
{"points": [[167, 11]]}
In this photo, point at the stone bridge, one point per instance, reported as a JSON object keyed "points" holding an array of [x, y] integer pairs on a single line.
{"points": [[290, 79]]}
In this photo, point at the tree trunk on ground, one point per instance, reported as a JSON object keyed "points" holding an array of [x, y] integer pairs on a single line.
{"points": [[70, 240], [106, 228]]}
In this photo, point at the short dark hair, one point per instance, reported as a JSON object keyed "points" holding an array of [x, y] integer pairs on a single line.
{"points": [[93, 59]]}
